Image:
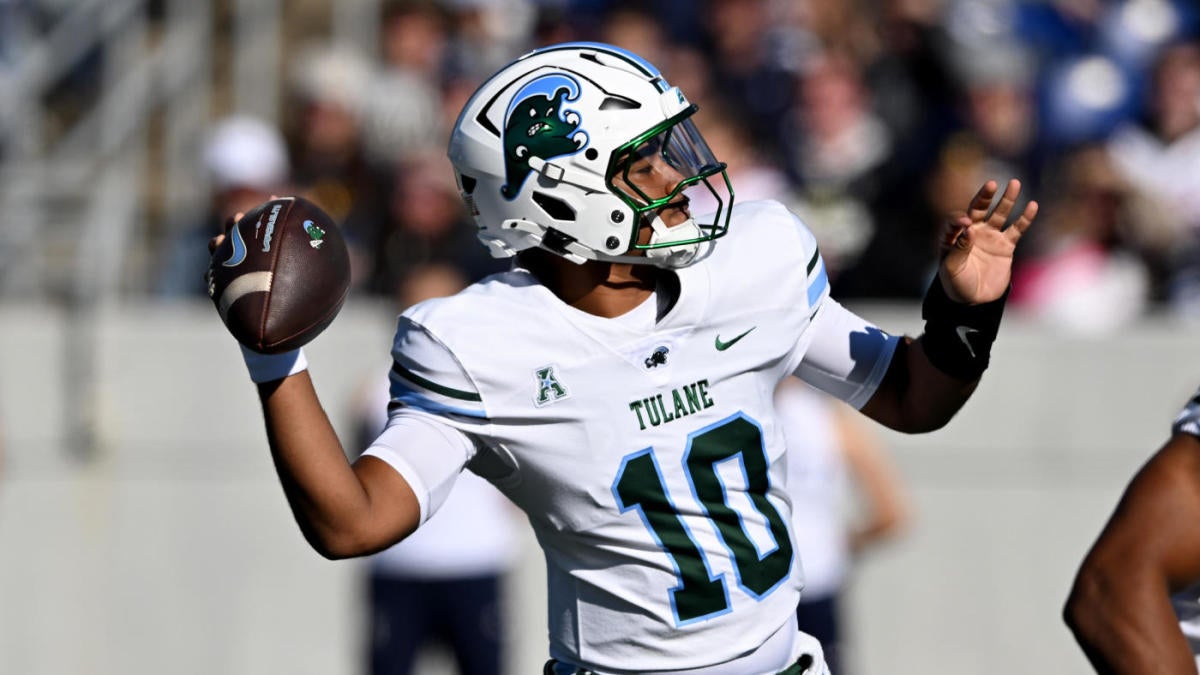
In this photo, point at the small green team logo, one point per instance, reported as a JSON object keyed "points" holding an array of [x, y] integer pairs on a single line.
{"points": [[316, 235], [549, 388], [658, 357]]}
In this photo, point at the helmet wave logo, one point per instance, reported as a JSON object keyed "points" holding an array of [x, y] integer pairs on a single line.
{"points": [[538, 124]]}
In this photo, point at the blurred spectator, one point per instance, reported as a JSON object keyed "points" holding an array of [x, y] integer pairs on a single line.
{"points": [[245, 161], [901, 257], [442, 585], [1078, 277], [839, 140], [454, 95], [553, 26], [845, 27], [328, 86], [846, 498], [861, 102], [328, 96], [1096, 57], [752, 175], [490, 33], [633, 25], [686, 67], [914, 91], [746, 64], [837, 152], [1159, 156], [424, 222], [999, 106], [403, 107], [415, 37]]}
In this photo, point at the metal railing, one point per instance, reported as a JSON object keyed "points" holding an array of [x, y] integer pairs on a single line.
{"points": [[76, 200], [66, 233], [73, 202]]}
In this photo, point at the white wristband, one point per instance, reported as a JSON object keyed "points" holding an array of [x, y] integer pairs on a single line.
{"points": [[268, 367]]}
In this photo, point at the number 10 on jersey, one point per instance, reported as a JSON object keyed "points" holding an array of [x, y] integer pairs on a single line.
{"points": [[639, 485]]}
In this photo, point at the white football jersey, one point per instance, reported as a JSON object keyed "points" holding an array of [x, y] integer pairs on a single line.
{"points": [[1187, 608], [644, 449], [1187, 602]]}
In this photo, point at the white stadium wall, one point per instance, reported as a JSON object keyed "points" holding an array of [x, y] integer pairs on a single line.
{"points": [[171, 549]]}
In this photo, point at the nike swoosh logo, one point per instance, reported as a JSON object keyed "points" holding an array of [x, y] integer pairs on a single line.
{"points": [[722, 346], [239, 248], [963, 332]]}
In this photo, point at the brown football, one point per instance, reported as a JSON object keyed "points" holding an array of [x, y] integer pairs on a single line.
{"points": [[281, 275]]}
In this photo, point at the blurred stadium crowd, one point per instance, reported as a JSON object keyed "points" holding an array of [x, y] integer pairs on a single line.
{"points": [[870, 118]]}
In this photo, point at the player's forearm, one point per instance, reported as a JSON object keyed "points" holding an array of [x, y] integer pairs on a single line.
{"points": [[935, 375], [1125, 625], [326, 497], [915, 396]]}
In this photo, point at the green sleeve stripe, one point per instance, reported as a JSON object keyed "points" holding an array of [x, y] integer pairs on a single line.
{"points": [[434, 386], [812, 264]]}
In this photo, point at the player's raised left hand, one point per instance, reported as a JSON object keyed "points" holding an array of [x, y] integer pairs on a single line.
{"points": [[977, 247]]}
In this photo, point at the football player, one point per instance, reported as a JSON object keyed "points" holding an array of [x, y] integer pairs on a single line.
{"points": [[617, 383], [1135, 604]]}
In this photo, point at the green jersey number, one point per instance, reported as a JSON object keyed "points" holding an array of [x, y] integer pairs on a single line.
{"points": [[639, 485]]}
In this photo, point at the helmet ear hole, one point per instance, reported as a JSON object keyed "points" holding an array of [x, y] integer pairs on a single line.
{"points": [[554, 207]]}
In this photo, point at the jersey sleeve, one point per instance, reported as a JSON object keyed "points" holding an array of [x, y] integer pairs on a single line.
{"points": [[426, 452], [816, 278], [433, 408], [1188, 419], [847, 356], [840, 353], [427, 377]]}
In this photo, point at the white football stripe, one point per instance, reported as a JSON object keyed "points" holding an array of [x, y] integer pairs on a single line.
{"points": [[254, 282]]}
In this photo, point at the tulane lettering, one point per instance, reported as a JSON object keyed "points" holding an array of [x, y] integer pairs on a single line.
{"points": [[657, 409]]}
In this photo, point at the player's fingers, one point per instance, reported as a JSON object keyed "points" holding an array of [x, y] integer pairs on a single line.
{"points": [[999, 217], [230, 222], [1023, 222], [982, 201], [952, 231], [962, 239], [215, 242]]}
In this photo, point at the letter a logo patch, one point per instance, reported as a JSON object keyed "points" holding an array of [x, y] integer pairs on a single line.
{"points": [[549, 389]]}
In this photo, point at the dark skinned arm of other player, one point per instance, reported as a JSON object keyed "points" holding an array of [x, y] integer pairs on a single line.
{"points": [[973, 278], [1119, 607]]}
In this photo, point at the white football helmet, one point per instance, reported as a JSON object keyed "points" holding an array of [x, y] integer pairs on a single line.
{"points": [[543, 153]]}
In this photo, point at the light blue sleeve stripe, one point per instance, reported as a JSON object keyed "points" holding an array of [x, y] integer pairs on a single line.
{"points": [[418, 401], [818, 285]]}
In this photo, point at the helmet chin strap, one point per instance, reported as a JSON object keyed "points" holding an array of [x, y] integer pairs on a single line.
{"points": [[673, 256], [667, 257]]}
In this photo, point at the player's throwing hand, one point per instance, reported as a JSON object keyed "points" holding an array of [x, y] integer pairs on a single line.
{"points": [[977, 246]]}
